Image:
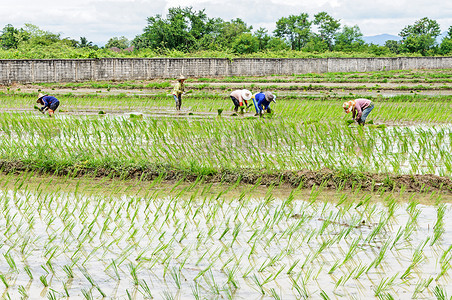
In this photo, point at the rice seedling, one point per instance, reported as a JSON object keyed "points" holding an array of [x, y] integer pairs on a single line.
{"points": [[43, 280], [146, 291]]}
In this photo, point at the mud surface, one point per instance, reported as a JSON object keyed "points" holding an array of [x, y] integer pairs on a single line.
{"points": [[329, 179]]}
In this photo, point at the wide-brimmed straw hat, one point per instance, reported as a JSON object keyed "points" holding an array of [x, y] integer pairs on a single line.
{"points": [[40, 95], [246, 95], [270, 97], [181, 77], [348, 106]]}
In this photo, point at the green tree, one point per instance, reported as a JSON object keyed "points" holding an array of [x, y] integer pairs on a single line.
{"points": [[230, 31], [349, 39], [84, 43], [316, 44], [328, 27], [245, 43], [446, 44], [118, 42], [263, 37], [393, 46], [294, 29], [39, 37], [181, 30], [376, 50], [276, 44], [420, 37], [11, 37]]}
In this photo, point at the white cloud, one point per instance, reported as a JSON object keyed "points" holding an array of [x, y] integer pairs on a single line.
{"points": [[99, 20]]}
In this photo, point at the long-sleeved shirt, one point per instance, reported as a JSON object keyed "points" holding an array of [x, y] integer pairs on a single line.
{"points": [[360, 105], [238, 95], [47, 100], [261, 101], [179, 88]]}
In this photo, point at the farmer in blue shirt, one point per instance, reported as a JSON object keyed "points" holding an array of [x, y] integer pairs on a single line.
{"points": [[262, 102], [50, 103]]}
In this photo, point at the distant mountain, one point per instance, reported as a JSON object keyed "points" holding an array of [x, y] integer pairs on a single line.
{"points": [[380, 39]]}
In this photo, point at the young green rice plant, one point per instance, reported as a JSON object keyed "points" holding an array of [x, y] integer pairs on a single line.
{"points": [[28, 271], [275, 294], [211, 282], [133, 272], [438, 228], [421, 285], [259, 285], [381, 254], [397, 237], [22, 292], [418, 257], [3, 279], [440, 293], [301, 290], [176, 275], [195, 290], [10, 260], [115, 269], [445, 259], [385, 284], [87, 294], [51, 295], [43, 280], [146, 291]]}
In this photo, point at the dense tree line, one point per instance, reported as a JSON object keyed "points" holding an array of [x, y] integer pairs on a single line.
{"points": [[185, 30]]}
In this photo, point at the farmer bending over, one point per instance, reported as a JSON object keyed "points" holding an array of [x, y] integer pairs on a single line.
{"points": [[360, 109], [50, 103], [262, 102], [240, 96], [178, 91]]}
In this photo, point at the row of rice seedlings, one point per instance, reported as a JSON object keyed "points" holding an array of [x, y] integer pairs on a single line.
{"points": [[159, 242], [204, 147]]}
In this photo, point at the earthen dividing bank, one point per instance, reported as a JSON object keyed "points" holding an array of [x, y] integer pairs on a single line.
{"points": [[120, 69]]}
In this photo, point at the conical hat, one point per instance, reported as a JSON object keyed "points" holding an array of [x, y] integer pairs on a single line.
{"points": [[270, 97], [40, 95], [246, 95]]}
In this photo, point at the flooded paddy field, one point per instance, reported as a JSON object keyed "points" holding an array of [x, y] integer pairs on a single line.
{"points": [[85, 238], [120, 196]]}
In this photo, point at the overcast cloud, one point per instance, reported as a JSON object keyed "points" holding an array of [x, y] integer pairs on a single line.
{"points": [[99, 20]]}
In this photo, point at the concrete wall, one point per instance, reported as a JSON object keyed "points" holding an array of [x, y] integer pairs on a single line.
{"points": [[76, 70]]}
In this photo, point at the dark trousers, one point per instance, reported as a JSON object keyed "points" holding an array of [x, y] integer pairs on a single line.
{"points": [[236, 103], [53, 106]]}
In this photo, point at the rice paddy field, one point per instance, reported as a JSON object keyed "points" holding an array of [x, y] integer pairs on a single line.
{"points": [[120, 196]]}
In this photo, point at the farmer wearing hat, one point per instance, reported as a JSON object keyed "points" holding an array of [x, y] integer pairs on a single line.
{"points": [[262, 102], [178, 91], [360, 109], [50, 103], [240, 96]]}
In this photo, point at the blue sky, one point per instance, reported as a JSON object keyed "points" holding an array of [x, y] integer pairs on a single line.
{"points": [[99, 20]]}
